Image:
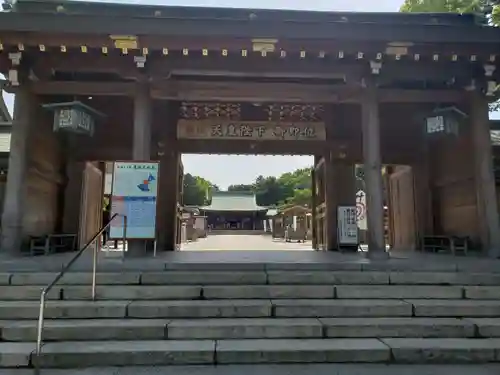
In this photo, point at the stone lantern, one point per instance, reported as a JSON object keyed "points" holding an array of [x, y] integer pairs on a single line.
{"points": [[74, 117], [444, 121]]}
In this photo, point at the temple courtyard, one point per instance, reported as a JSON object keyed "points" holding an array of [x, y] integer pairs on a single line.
{"points": [[243, 242]]}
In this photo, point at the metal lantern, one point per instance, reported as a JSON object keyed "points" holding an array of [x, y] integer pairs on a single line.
{"points": [[444, 121], [74, 117]]}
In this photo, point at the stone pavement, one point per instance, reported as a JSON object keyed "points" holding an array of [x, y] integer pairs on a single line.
{"points": [[223, 252], [315, 369], [243, 242]]}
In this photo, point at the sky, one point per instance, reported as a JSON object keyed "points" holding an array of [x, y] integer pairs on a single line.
{"points": [[224, 170]]}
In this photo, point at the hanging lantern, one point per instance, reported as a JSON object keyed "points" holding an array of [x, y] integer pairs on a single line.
{"points": [[444, 121], [74, 117]]}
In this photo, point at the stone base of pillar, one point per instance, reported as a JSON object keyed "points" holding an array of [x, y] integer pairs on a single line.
{"points": [[136, 249], [377, 255]]}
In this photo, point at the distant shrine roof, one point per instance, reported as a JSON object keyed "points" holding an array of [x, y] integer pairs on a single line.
{"points": [[233, 201]]}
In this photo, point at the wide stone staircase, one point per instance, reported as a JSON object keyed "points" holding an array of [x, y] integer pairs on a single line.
{"points": [[248, 316]]}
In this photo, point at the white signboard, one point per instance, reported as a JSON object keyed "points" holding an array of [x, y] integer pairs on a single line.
{"points": [[347, 228], [361, 210], [134, 192]]}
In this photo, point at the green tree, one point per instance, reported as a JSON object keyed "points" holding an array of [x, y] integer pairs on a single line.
{"points": [[197, 190], [241, 187], [489, 8]]}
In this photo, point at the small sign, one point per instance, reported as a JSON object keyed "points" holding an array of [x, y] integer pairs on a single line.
{"points": [[361, 210], [124, 41], [347, 227], [134, 193], [251, 130]]}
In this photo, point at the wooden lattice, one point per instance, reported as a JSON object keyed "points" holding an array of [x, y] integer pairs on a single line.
{"points": [[200, 111], [295, 112]]}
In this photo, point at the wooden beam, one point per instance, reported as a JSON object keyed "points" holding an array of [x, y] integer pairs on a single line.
{"points": [[243, 92], [216, 65], [213, 65], [420, 96], [253, 148], [79, 88], [248, 91]]}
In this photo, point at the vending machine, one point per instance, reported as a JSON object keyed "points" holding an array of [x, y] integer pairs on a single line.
{"points": [[347, 228]]}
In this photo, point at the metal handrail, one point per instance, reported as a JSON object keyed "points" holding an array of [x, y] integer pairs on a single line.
{"points": [[67, 267]]}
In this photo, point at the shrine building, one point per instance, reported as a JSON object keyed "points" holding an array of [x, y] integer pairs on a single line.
{"points": [[97, 82], [234, 211]]}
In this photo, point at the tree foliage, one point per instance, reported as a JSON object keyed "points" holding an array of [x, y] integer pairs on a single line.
{"points": [[489, 8], [290, 188], [197, 190]]}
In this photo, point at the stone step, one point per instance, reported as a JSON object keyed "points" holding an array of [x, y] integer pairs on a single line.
{"points": [[444, 350], [158, 329], [269, 291], [136, 278], [482, 292], [301, 351], [444, 278], [85, 330], [209, 292], [487, 327], [455, 308], [197, 352], [16, 354], [200, 309], [247, 328], [282, 369], [250, 308], [204, 278], [273, 277], [76, 278], [125, 353], [134, 292], [128, 353], [244, 328], [20, 310], [341, 308], [103, 292], [399, 327], [327, 277], [398, 291]]}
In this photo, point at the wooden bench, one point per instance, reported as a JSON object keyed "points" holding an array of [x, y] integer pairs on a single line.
{"points": [[52, 243], [451, 244]]}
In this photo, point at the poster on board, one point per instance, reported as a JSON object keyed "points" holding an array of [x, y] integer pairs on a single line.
{"points": [[361, 210], [134, 193]]}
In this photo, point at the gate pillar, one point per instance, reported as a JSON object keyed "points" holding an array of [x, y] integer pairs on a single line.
{"points": [[340, 186], [25, 113], [372, 161], [141, 148], [486, 196]]}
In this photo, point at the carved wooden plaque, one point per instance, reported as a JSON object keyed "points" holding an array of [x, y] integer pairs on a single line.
{"points": [[251, 130]]}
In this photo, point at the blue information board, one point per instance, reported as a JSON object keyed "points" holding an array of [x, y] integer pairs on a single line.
{"points": [[134, 192]]}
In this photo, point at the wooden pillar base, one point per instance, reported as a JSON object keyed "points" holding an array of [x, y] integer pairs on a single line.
{"points": [[167, 203], [25, 112], [486, 194], [372, 162], [341, 191]]}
